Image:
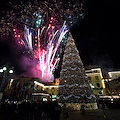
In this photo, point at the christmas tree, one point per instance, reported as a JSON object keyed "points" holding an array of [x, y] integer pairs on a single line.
{"points": [[74, 85]]}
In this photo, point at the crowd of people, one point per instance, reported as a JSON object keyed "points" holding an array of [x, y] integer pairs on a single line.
{"points": [[36, 110], [109, 103]]}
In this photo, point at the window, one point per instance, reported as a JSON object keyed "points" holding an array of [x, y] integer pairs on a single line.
{"points": [[95, 71], [96, 78], [88, 72], [89, 78], [53, 89], [98, 84], [41, 88], [99, 92]]}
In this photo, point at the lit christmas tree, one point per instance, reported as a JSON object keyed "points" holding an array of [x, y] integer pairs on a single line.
{"points": [[74, 85]]}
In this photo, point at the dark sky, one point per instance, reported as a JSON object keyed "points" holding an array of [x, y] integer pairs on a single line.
{"points": [[96, 36]]}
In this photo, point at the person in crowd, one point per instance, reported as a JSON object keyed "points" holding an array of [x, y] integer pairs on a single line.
{"points": [[65, 114], [56, 111]]}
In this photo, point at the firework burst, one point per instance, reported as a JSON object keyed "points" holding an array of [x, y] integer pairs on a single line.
{"points": [[40, 28]]}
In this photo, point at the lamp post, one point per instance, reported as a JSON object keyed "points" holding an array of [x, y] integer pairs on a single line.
{"points": [[4, 68], [10, 71], [1, 70], [5, 72]]}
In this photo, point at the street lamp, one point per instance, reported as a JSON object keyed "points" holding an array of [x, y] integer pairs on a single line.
{"points": [[10, 71], [4, 68], [1, 70], [5, 72]]}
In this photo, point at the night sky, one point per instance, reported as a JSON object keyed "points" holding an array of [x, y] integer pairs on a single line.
{"points": [[96, 36]]}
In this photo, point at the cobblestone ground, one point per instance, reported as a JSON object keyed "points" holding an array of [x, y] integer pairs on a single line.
{"points": [[111, 114]]}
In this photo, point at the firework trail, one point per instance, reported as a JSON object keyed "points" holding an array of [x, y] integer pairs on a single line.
{"points": [[40, 28]]}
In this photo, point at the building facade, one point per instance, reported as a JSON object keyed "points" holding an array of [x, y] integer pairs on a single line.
{"points": [[112, 83], [23, 88], [96, 81], [113, 75], [26, 88]]}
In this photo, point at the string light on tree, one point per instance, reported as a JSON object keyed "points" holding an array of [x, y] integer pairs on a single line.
{"points": [[74, 84]]}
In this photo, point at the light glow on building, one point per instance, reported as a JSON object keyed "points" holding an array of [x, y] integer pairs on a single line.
{"points": [[114, 74], [45, 86]]}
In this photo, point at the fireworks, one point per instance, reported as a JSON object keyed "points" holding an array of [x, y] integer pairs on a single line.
{"points": [[39, 28]]}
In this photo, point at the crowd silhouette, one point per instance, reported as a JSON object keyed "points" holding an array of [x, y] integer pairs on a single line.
{"points": [[30, 110]]}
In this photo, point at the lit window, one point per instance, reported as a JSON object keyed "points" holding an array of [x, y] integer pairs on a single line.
{"points": [[92, 86]]}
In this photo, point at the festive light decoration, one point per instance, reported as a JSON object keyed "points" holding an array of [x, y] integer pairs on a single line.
{"points": [[73, 85], [46, 55]]}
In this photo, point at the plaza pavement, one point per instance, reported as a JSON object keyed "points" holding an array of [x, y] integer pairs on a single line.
{"points": [[110, 114]]}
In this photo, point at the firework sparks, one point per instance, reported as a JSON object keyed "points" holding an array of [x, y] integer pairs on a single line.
{"points": [[39, 28], [47, 56]]}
